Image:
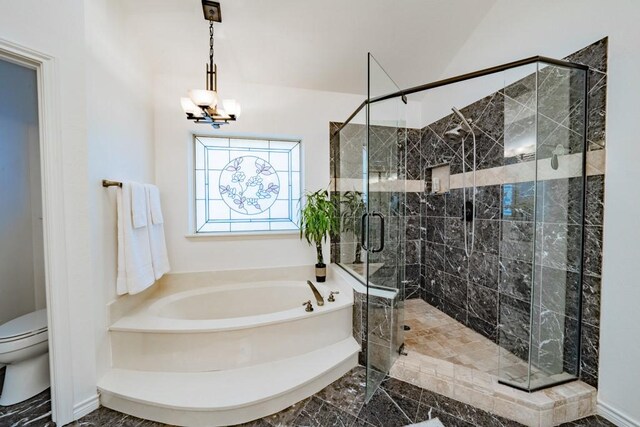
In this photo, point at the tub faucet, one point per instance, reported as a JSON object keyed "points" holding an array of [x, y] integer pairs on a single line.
{"points": [[319, 299]]}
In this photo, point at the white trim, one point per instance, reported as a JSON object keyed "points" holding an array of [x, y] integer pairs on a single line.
{"points": [[55, 252], [615, 416], [86, 407]]}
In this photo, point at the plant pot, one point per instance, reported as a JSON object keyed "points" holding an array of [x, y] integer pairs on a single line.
{"points": [[321, 272]]}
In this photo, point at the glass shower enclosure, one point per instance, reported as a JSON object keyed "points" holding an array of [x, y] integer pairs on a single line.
{"points": [[521, 285]]}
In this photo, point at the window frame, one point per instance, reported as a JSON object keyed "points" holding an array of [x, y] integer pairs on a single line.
{"points": [[192, 183]]}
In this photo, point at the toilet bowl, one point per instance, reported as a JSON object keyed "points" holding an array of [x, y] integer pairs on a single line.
{"points": [[25, 351]]}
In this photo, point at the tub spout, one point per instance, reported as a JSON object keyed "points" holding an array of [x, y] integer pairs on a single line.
{"points": [[319, 299]]}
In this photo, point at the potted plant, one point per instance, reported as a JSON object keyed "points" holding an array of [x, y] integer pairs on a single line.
{"points": [[352, 210], [318, 218]]}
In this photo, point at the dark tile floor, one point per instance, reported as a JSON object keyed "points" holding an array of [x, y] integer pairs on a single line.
{"points": [[395, 403]]}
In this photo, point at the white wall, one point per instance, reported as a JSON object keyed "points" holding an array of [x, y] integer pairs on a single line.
{"points": [[514, 30], [120, 142], [21, 267], [57, 28]]}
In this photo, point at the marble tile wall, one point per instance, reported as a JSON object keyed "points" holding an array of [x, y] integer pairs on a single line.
{"points": [[491, 291], [494, 286]]}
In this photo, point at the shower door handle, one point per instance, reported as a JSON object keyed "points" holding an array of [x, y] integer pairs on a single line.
{"points": [[362, 229], [381, 247]]}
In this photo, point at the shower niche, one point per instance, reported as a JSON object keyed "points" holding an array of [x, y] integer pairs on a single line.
{"points": [[481, 220]]}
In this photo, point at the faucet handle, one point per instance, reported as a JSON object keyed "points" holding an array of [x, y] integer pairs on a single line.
{"points": [[332, 298], [308, 307]]}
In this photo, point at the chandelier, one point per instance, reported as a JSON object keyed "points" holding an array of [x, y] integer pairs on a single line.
{"points": [[202, 105]]}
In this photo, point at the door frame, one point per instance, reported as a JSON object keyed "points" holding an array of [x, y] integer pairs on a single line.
{"points": [[55, 253]]}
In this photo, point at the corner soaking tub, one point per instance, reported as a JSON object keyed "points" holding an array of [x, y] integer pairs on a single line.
{"points": [[227, 326]]}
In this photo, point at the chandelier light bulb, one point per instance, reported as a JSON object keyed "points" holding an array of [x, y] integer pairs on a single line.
{"points": [[189, 107], [204, 98]]}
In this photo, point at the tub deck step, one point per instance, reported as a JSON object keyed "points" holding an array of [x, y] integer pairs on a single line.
{"points": [[226, 397]]}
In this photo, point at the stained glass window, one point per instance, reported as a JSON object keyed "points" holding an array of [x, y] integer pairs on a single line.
{"points": [[246, 185]]}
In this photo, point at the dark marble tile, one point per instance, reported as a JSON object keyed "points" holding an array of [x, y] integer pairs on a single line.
{"points": [[447, 420], [400, 389], [562, 201], [434, 282], [435, 205], [591, 300], [455, 290], [590, 341], [558, 291], [493, 158], [440, 126], [34, 411], [593, 251], [596, 131], [454, 413], [434, 256], [435, 230], [515, 279], [484, 269], [486, 329], [554, 342], [412, 227], [347, 393], [594, 55], [514, 318], [453, 203], [413, 163], [483, 303], [434, 149], [488, 202], [518, 201], [318, 413], [491, 121], [456, 262], [517, 240], [387, 411], [487, 236], [592, 421], [594, 210], [561, 246], [454, 232]]}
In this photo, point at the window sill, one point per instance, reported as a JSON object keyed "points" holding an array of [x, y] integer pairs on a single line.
{"points": [[284, 234]]}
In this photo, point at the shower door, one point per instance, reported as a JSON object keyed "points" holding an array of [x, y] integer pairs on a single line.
{"points": [[384, 224]]}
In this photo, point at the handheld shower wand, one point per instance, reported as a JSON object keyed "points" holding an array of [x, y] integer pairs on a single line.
{"points": [[465, 125]]}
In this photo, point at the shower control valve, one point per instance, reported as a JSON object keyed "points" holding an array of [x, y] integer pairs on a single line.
{"points": [[332, 297], [309, 306]]}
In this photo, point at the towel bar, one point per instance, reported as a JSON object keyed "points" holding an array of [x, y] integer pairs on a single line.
{"points": [[108, 183]]}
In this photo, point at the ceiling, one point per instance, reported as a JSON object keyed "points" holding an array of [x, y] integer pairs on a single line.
{"points": [[318, 45]]}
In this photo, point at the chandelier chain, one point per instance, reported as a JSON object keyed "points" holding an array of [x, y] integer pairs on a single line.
{"points": [[211, 40]]}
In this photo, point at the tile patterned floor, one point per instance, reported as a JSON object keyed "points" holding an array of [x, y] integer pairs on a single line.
{"points": [[341, 404], [437, 335]]}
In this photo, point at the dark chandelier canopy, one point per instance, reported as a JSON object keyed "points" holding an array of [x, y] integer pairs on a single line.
{"points": [[202, 105]]}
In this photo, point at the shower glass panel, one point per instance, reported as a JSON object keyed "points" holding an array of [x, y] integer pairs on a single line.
{"points": [[545, 136], [518, 293], [386, 140], [350, 191]]}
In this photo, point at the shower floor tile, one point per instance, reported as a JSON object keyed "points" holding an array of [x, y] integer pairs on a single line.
{"points": [[449, 358]]}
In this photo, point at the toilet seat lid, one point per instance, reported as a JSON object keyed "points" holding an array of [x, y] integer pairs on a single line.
{"points": [[29, 324]]}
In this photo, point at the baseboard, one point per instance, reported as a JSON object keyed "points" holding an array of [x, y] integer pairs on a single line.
{"points": [[615, 416], [86, 407]]}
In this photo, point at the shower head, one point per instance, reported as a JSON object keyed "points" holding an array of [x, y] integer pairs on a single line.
{"points": [[465, 124], [462, 128]]}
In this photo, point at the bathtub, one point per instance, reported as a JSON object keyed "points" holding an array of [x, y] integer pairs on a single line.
{"points": [[230, 325]]}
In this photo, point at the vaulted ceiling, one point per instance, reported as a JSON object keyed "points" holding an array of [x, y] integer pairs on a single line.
{"points": [[319, 45]]}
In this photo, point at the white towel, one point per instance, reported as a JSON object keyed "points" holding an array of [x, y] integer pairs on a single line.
{"points": [[156, 232], [135, 267], [154, 204], [138, 205]]}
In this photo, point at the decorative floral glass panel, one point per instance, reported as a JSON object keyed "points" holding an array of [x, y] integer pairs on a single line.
{"points": [[246, 185]]}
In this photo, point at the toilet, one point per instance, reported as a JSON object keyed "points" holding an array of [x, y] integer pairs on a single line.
{"points": [[25, 352]]}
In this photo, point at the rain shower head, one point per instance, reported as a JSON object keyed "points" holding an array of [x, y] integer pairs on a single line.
{"points": [[462, 128]]}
